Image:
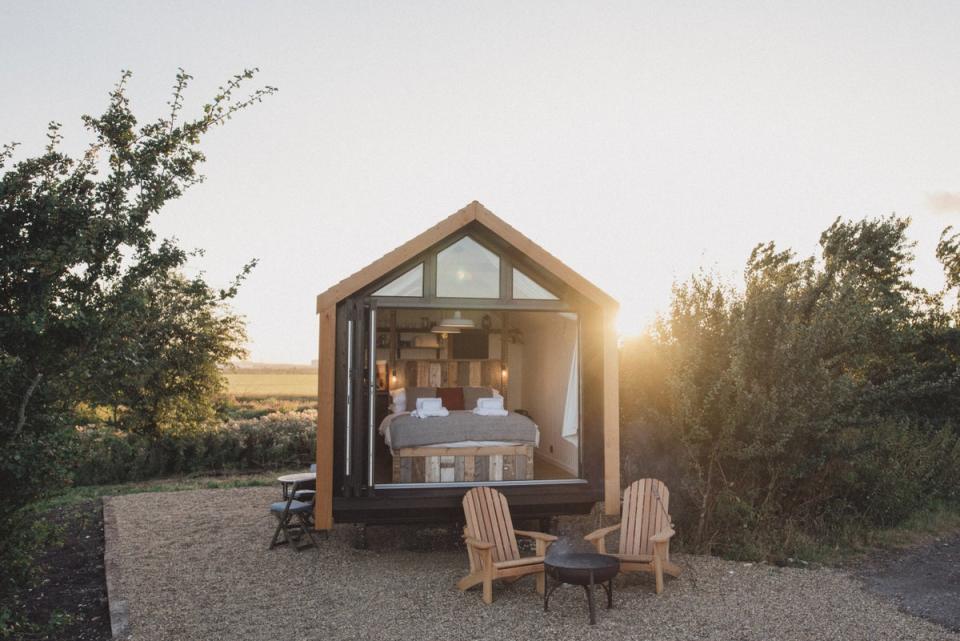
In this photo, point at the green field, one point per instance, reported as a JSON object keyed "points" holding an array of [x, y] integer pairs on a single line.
{"points": [[259, 384]]}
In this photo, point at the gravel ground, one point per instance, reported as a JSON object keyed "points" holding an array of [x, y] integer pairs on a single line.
{"points": [[195, 565]]}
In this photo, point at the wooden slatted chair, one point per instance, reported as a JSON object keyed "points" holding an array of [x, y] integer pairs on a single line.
{"points": [[645, 531], [492, 543]]}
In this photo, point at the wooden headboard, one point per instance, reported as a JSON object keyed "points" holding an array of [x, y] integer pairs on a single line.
{"points": [[448, 373]]}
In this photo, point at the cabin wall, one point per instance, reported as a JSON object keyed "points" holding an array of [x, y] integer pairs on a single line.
{"points": [[323, 506], [514, 398], [611, 412], [412, 356]]}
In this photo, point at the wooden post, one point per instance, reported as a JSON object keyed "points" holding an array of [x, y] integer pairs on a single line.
{"points": [[611, 415], [323, 506]]}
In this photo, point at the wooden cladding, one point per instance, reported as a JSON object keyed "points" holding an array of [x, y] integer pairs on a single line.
{"points": [[463, 465], [433, 373]]}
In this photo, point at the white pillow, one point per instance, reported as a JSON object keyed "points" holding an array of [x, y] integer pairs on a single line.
{"points": [[429, 403], [399, 403], [490, 403]]}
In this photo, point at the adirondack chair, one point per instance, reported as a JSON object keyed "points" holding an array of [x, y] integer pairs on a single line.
{"points": [[645, 531], [492, 543]]}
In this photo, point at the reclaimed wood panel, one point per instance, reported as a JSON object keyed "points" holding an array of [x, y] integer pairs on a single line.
{"points": [[509, 468], [435, 376], [482, 468], [447, 471], [432, 373], [463, 464], [496, 467], [432, 469]]}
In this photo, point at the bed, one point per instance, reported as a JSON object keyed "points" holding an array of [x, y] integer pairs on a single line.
{"points": [[459, 448]]}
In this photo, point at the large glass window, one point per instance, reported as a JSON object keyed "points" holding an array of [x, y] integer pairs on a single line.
{"points": [[466, 269], [407, 284], [525, 288]]}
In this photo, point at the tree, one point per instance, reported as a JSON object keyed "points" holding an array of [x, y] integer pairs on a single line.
{"points": [[92, 304], [165, 340]]}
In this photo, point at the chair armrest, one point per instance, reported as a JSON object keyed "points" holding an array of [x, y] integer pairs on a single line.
{"points": [[663, 536], [602, 532], [480, 545], [540, 536]]}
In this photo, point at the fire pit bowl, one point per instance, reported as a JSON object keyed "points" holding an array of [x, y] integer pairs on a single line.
{"points": [[582, 569]]}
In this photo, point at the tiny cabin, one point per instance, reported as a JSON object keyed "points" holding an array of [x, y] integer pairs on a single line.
{"points": [[467, 356]]}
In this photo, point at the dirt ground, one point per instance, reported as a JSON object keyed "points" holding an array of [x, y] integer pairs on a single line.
{"points": [[924, 581], [72, 588]]}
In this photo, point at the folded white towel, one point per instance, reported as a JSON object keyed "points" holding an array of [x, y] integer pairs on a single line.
{"points": [[481, 411], [490, 403], [429, 403], [427, 413]]}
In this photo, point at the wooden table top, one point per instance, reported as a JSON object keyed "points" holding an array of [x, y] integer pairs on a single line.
{"points": [[296, 478]]}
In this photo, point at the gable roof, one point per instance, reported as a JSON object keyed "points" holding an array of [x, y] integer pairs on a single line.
{"points": [[450, 225]]}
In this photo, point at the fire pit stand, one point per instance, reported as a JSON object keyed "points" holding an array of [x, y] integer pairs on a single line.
{"points": [[582, 569]]}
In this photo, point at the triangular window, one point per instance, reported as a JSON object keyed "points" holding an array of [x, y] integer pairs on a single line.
{"points": [[409, 284], [467, 269], [524, 288]]}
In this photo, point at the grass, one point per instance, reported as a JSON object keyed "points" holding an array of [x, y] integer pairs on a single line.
{"points": [[75, 495], [260, 384], [854, 542], [921, 527]]}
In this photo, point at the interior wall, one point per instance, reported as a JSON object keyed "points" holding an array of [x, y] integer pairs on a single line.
{"points": [[549, 343], [514, 365], [435, 349]]}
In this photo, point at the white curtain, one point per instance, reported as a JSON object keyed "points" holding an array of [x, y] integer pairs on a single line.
{"points": [[571, 409]]}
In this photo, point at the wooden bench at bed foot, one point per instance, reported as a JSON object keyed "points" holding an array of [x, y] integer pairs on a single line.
{"points": [[463, 464]]}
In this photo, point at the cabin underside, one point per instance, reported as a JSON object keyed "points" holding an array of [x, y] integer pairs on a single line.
{"points": [[443, 505]]}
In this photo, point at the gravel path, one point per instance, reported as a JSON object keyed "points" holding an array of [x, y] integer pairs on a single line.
{"points": [[195, 565]]}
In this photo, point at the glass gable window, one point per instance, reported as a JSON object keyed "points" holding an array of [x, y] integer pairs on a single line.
{"points": [[525, 288], [466, 269], [408, 284]]}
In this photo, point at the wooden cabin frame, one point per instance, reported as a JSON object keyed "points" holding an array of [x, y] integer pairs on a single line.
{"points": [[345, 494]]}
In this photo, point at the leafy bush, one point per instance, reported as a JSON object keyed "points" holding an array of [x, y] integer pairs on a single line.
{"points": [[233, 408], [105, 455], [819, 397]]}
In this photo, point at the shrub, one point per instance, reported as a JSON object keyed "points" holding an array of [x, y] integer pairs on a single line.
{"points": [[105, 455], [819, 398]]}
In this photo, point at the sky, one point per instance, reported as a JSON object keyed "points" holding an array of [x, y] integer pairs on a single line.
{"points": [[636, 141]]}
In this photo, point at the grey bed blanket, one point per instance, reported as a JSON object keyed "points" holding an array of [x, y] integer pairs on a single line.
{"points": [[460, 425]]}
